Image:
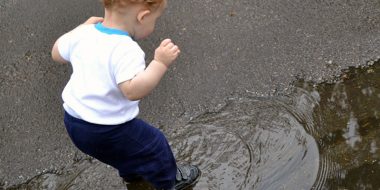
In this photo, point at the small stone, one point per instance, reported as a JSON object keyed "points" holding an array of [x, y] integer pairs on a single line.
{"points": [[232, 13]]}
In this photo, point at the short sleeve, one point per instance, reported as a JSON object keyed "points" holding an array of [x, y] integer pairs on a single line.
{"points": [[64, 46], [129, 65]]}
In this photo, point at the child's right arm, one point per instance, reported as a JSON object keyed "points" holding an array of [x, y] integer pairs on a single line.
{"points": [[56, 56], [143, 83]]}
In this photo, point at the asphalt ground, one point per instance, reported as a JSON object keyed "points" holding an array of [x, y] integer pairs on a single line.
{"points": [[229, 48]]}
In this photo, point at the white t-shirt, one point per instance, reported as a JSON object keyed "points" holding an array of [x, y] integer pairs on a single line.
{"points": [[101, 59]]}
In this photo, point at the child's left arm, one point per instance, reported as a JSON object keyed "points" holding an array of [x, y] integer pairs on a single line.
{"points": [[56, 56]]}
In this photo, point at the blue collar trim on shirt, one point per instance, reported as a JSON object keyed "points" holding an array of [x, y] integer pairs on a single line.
{"points": [[106, 30]]}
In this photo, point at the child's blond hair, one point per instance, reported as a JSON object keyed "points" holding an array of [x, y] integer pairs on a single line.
{"points": [[151, 4]]}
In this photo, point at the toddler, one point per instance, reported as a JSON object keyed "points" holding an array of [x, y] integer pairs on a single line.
{"points": [[108, 80]]}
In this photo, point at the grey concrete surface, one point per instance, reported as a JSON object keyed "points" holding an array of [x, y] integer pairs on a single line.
{"points": [[229, 48]]}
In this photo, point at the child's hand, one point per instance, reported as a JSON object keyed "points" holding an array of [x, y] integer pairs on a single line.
{"points": [[94, 20], [167, 52]]}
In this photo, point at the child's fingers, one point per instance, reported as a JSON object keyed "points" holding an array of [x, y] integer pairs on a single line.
{"points": [[97, 19], [175, 50], [94, 20], [176, 54], [166, 42], [169, 46], [174, 47]]}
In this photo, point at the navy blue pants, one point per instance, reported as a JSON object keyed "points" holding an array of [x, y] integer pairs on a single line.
{"points": [[135, 149]]}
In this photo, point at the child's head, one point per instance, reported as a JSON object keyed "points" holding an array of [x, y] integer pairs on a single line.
{"points": [[144, 13]]}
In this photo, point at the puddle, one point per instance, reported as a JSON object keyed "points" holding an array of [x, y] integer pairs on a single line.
{"points": [[250, 144], [348, 129], [321, 136]]}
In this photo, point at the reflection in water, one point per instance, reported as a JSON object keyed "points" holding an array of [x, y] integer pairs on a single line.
{"points": [[321, 136], [348, 129], [373, 147], [351, 134]]}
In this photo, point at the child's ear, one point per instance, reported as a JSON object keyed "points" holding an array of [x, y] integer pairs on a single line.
{"points": [[142, 14]]}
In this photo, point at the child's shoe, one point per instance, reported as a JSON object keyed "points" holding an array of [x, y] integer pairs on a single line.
{"points": [[187, 176]]}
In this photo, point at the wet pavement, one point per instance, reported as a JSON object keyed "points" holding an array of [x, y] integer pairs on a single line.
{"points": [[230, 49]]}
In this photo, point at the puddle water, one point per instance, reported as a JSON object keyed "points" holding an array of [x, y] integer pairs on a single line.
{"points": [[250, 144], [321, 136], [347, 129]]}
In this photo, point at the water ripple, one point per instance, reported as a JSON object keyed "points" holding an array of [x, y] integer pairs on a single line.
{"points": [[250, 144]]}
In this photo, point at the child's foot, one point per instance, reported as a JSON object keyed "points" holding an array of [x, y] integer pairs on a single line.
{"points": [[187, 176]]}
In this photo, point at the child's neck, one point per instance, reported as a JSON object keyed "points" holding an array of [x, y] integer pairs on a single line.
{"points": [[113, 19]]}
